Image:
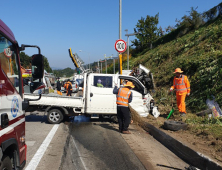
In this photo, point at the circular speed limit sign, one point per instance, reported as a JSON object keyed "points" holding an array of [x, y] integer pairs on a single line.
{"points": [[120, 46]]}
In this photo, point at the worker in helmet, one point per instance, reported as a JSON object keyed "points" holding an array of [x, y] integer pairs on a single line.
{"points": [[99, 83], [181, 85], [123, 98], [68, 87]]}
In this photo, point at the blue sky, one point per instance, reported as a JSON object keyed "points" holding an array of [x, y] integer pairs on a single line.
{"points": [[88, 25]]}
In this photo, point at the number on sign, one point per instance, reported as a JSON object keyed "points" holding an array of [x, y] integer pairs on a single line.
{"points": [[120, 46]]}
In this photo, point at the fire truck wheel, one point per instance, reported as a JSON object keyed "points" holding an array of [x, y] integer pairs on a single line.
{"points": [[54, 116], [6, 163]]}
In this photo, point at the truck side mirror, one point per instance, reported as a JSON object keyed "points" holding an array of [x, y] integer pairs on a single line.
{"points": [[36, 85], [37, 66]]}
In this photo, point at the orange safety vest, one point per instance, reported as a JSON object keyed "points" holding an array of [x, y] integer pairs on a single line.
{"points": [[181, 85], [66, 86], [123, 96]]}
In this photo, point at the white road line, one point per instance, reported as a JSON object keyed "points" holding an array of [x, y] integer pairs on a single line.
{"points": [[40, 152], [79, 154]]}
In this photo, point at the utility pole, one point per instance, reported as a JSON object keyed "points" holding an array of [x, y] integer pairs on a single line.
{"points": [[105, 62], [114, 66], [101, 66], [128, 45], [114, 63], [127, 49], [120, 19], [120, 35]]}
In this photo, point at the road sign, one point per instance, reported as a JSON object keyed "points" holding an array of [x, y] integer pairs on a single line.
{"points": [[8, 52], [120, 46]]}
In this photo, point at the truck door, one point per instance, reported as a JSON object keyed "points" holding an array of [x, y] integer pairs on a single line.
{"points": [[139, 87], [100, 96], [12, 117]]}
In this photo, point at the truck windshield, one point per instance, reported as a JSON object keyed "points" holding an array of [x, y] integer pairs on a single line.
{"points": [[9, 62]]}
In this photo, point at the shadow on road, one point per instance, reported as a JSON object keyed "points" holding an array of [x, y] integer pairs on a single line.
{"points": [[107, 126], [36, 118]]}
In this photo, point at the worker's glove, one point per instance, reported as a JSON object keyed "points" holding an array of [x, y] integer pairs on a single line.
{"points": [[171, 89], [188, 94]]}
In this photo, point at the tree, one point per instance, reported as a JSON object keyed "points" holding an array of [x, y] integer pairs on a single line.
{"points": [[191, 21], [25, 60], [67, 72], [46, 65], [148, 31]]}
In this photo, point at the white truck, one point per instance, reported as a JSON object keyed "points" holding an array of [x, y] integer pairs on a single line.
{"points": [[94, 100]]}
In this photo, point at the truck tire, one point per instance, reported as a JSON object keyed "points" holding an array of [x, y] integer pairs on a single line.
{"points": [[6, 163], [114, 119], [54, 116], [174, 125]]}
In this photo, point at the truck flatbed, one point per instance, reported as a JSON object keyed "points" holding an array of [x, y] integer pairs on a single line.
{"points": [[52, 99]]}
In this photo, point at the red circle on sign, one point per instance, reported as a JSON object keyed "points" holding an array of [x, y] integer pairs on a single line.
{"points": [[7, 52], [120, 46]]}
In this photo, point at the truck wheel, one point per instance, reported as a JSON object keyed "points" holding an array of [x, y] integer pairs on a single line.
{"points": [[6, 163], [114, 119], [174, 125], [54, 116]]}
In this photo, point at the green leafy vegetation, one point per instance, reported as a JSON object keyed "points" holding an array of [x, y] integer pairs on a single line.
{"points": [[198, 54], [205, 126], [26, 62], [67, 72]]}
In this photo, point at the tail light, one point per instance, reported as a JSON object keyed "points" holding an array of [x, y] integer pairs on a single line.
{"points": [[22, 139], [76, 85]]}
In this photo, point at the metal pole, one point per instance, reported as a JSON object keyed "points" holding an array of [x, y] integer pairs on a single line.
{"points": [[101, 67], [127, 52], [113, 66], [106, 66], [128, 45], [120, 35], [120, 18], [89, 62], [105, 62]]}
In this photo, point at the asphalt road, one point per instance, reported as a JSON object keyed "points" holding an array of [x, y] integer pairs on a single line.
{"points": [[92, 144], [95, 145], [45, 142]]}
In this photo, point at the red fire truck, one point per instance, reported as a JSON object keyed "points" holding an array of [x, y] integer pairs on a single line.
{"points": [[12, 103]]}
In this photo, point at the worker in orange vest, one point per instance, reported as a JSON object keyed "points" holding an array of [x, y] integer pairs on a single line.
{"points": [[68, 87], [182, 86], [123, 98]]}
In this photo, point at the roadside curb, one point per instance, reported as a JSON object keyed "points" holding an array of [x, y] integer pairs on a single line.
{"points": [[185, 153]]}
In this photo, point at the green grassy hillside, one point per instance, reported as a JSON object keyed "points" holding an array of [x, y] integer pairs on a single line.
{"points": [[199, 55]]}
